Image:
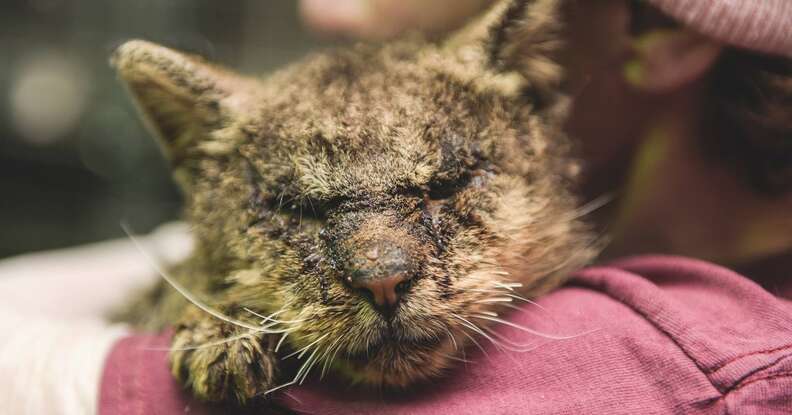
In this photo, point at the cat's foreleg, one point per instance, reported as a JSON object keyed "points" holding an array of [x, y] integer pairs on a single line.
{"points": [[223, 361]]}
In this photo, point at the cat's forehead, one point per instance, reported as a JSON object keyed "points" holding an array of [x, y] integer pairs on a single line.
{"points": [[394, 88], [366, 122]]}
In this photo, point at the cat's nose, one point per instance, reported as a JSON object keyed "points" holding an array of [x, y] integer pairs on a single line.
{"points": [[381, 272]]}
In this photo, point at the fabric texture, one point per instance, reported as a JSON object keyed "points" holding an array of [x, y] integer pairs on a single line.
{"points": [[52, 365], [648, 335], [108, 270], [761, 25], [136, 380], [55, 340]]}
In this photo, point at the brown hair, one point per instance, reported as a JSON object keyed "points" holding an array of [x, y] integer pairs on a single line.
{"points": [[751, 111]]}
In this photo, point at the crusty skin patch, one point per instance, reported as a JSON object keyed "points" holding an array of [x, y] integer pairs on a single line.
{"points": [[451, 151]]}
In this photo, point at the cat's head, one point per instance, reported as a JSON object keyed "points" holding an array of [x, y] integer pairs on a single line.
{"points": [[379, 200]]}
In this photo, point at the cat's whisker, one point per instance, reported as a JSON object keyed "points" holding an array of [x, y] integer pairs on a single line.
{"points": [[476, 343], [263, 317], [299, 226], [525, 300], [504, 292], [294, 380], [494, 300], [596, 244], [280, 341], [451, 336], [289, 383], [478, 330], [508, 285], [335, 352], [317, 346], [456, 358], [509, 305], [273, 320], [280, 201], [513, 346], [302, 351], [485, 290], [326, 359], [204, 345], [520, 298], [326, 356], [183, 291], [499, 343], [592, 206], [528, 330], [266, 329], [312, 359], [310, 203]]}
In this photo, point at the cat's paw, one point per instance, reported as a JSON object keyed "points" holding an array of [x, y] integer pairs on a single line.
{"points": [[221, 362]]}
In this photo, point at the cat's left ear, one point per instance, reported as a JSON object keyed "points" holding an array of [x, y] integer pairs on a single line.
{"points": [[513, 47], [187, 102]]}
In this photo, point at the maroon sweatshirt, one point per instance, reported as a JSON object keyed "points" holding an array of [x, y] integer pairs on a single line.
{"points": [[648, 335]]}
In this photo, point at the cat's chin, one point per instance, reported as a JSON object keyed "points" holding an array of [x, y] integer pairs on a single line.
{"points": [[400, 364]]}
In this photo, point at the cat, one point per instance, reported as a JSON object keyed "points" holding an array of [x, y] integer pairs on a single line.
{"points": [[366, 209]]}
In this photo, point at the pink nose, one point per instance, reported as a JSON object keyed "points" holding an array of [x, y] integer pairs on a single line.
{"points": [[384, 291], [380, 271]]}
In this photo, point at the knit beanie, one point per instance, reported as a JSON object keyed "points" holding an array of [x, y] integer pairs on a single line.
{"points": [[760, 25]]}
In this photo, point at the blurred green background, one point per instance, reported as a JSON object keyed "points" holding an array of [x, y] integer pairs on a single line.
{"points": [[74, 158]]}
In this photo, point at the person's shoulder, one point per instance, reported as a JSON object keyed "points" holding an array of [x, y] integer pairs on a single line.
{"points": [[736, 336], [648, 335]]}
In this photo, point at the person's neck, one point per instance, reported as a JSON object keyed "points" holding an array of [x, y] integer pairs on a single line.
{"points": [[679, 201]]}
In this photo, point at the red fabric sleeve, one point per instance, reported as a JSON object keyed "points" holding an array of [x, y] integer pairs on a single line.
{"points": [[136, 380], [649, 335]]}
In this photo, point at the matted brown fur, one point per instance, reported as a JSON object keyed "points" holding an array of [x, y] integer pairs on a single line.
{"points": [[451, 151]]}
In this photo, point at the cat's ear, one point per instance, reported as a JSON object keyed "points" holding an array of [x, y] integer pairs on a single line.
{"points": [[187, 102], [514, 46]]}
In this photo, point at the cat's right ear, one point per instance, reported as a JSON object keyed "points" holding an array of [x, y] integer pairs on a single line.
{"points": [[187, 102], [513, 48]]}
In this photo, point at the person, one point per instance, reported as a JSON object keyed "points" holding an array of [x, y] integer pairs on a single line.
{"points": [[682, 109]]}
